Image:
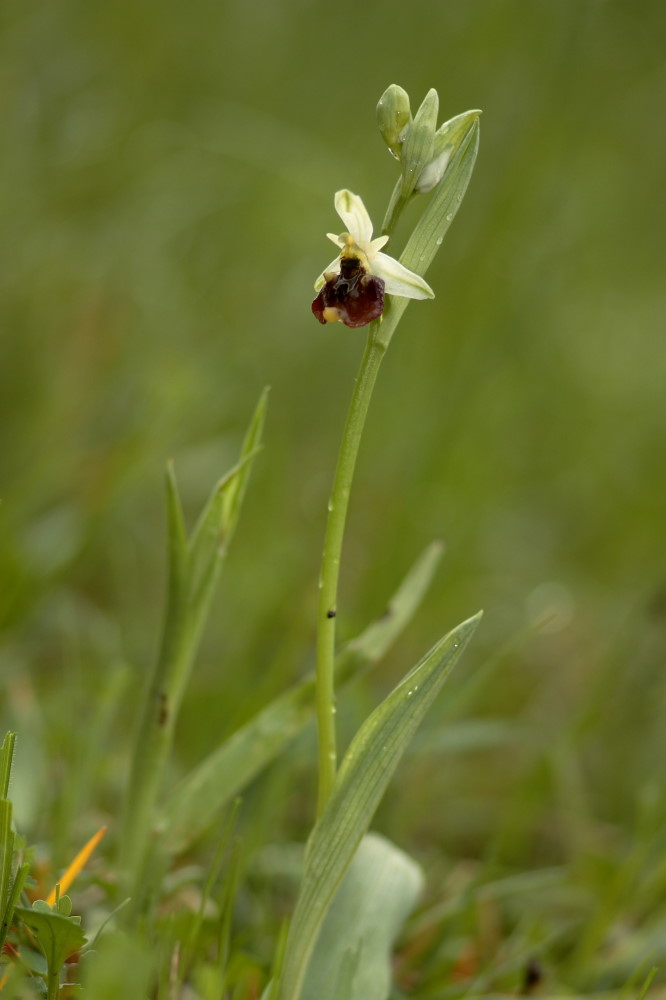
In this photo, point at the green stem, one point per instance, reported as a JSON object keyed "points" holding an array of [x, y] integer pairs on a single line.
{"points": [[395, 207], [379, 337], [52, 984], [418, 254], [330, 564]]}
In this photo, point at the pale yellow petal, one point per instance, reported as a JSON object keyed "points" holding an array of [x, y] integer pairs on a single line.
{"points": [[355, 216]]}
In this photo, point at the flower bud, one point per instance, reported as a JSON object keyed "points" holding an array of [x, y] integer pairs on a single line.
{"points": [[446, 137], [433, 172], [418, 147], [393, 118]]}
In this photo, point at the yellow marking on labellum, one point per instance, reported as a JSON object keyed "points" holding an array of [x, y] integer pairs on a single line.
{"points": [[352, 250], [331, 314]]}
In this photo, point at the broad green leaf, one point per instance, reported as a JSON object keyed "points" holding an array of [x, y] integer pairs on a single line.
{"points": [[226, 771], [364, 775], [346, 971], [380, 889], [58, 936]]}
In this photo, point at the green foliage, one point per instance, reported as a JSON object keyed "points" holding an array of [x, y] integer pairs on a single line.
{"points": [[194, 567], [459, 140], [192, 805], [13, 872], [57, 933], [119, 966], [161, 179]]}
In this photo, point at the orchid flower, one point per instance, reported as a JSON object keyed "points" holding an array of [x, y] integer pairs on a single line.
{"points": [[351, 289]]}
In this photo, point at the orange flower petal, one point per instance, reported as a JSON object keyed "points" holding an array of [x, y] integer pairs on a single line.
{"points": [[77, 864]]}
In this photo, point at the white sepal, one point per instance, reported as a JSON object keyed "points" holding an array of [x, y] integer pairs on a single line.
{"points": [[399, 280]]}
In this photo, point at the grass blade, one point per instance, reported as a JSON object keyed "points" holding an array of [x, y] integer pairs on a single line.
{"points": [[8, 887], [373, 643], [234, 497], [229, 768], [176, 534], [220, 514], [6, 758], [194, 567]]}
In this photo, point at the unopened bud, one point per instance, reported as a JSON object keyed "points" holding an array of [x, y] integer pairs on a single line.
{"points": [[433, 172], [393, 118], [446, 137], [419, 144]]}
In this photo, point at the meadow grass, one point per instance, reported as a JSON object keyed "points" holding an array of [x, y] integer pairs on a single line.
{"points": [[162, 226]]}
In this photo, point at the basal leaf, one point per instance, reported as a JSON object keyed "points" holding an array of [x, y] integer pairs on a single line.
{"points": [[377, 894], [59, 936], [364, 775]]}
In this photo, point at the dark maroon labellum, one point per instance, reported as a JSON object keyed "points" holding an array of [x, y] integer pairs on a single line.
{"points": [[353, 297]]}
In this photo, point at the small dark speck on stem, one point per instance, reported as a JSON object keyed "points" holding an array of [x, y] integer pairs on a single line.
{"points": [[331, 613], [532, 976], [162, 709]]}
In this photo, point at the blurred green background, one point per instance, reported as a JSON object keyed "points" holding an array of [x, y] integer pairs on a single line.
{"points": [[166, 180]]}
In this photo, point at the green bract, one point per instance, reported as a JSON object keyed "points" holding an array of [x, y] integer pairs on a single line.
{"points": [[446, 138]]}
